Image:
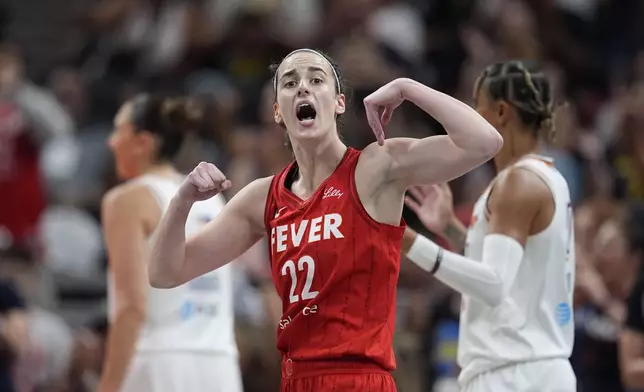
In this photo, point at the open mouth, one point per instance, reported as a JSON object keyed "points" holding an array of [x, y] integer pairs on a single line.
{"points": [[305, 113]]}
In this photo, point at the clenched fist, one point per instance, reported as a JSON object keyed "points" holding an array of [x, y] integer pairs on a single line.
{"points": [[204, 182]]}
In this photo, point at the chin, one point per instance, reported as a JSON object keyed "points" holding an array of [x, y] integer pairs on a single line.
{"points": [[308, 133], [125, 174]]}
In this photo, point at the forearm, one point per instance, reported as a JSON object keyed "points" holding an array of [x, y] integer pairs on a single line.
{"points": [[465, 127], [121, 344], [481, 280], [167, 255], [455, 233]]}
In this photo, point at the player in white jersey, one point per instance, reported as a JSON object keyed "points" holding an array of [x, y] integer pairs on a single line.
{"points": [[517, 275], [175, 340]]}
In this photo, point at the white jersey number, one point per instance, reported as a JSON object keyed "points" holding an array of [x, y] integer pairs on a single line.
{"points": [[305, 262]]}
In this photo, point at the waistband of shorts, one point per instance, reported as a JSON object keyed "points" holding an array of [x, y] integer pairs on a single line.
{"points": [[472, 371], [295, 369]]}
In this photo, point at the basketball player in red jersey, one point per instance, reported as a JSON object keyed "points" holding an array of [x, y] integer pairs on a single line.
{"points": [[333, 217]]}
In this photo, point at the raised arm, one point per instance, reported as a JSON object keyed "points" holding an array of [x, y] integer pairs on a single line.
{"points": [[175, 260], [470, 139], [514, 206]]}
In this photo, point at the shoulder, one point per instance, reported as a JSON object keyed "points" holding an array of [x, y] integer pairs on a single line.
{"points": [[249, 203], [258, 189], [521, 187], [252, 197], [132, 197]]}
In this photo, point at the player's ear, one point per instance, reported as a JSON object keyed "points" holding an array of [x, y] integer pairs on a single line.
{"points": [[144, 141], [276, 115], [503, 112], [340, 104]]}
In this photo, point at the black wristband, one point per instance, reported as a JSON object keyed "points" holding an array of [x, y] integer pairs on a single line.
{"points": [[437, 263]]}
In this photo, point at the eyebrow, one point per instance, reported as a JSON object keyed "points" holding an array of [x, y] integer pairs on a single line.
{"points": [[293, 72]]}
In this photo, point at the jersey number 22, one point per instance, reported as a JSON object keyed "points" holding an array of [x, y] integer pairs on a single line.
{"points": [[304, 263]]}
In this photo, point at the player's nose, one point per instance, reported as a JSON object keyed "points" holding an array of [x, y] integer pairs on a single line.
{"points": [[303, 89]]}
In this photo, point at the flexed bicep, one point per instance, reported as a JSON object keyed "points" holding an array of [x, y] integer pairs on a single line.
{"points": [[431, 160]]}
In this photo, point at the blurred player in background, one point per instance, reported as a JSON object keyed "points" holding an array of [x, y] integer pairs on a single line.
{"points": [[333, 217], [160, 340], [517, 276]]}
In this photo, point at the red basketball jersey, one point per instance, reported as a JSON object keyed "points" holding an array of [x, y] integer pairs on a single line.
{"points": [[335, 269]]}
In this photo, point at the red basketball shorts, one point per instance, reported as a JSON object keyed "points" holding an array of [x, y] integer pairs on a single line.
{"points": [[335, 376]]}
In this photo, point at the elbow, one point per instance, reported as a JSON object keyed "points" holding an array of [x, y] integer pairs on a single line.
{"points": [[162, 275], [160, 281], [495, 295], [492, 144], [493, 300]]}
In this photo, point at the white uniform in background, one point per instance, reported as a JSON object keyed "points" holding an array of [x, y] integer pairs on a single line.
{"points": [[187, 343], [524, 343]]}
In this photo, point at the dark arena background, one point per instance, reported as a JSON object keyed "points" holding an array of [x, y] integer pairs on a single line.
{"points": [[66, 66]]}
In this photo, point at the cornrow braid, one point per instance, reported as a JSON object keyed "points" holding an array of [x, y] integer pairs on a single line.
{"points": [[525, 88]]}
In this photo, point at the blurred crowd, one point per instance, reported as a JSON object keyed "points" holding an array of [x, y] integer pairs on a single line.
{"points": [[66, 66]]}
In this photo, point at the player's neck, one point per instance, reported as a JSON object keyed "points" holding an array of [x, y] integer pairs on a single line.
{"points": [[515, 147], [162, 169], [316, 161]]}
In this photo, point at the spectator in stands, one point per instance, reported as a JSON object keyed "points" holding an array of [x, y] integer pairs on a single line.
{"points": [[598, 319], [29, 116], [632, 336]]}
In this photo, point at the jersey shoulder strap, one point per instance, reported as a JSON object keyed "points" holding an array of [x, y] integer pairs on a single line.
{"points": [[540, 166]]}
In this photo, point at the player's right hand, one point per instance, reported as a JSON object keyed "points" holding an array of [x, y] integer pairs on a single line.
{"points": [[433, 204], [204, 182]]}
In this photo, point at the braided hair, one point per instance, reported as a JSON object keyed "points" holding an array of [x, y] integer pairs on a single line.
{"points": [[524, 87]]}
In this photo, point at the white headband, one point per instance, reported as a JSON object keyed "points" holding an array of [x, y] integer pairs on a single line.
{"points": [[335, 75]]}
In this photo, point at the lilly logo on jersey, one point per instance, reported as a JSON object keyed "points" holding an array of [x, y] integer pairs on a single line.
{"points": [[332, 192], [320, 228]]}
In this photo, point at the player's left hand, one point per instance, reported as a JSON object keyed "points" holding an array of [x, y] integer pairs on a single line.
{"points": [[381, 104], [433, 204]]}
